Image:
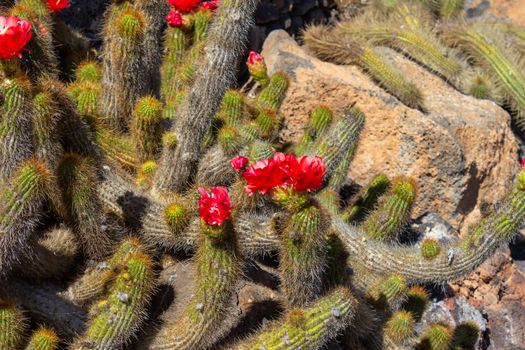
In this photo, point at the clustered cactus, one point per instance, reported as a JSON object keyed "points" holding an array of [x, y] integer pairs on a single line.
{"points": [[147, 150], [479, 58]]}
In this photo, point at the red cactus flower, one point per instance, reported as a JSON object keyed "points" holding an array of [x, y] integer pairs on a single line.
{"points": [[263, 176], [254, 58], [523, 163], [15, 33], [210, 5], [184, 6], [214, 208], [303, 174], [57, 5], [239, 163], [174, 19], [308, 174]]}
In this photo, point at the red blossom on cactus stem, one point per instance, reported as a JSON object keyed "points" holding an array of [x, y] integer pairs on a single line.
{"points": [[254, 58], [303, 174], [174, 19], [210, 5], [15, 33], [57, 5], [184, 6], [214, 208], [239, 163]]}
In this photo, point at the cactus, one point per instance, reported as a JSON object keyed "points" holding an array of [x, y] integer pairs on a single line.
{"points": [[12, 326], [327, 45], [100, 180], [43, 339]]}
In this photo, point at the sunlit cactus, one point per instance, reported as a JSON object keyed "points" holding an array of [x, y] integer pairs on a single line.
{"points": [[150, 163]]}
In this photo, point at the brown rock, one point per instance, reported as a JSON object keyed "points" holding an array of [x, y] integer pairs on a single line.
{"points": [[462, 153], [506, 9]]}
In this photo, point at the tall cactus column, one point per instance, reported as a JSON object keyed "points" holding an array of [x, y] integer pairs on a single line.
{"points": [[214, 76]]}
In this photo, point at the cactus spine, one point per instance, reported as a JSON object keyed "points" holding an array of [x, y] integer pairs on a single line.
{"points": [[12, 326]]}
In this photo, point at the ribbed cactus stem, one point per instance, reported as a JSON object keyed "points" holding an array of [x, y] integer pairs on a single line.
{"points": [[79, 180], [15, 125], [20, 211], [88, 72], [43, 339], [272, 95], [123, 66], [465, 336], [326, 45], [118, 317], [451, 8], [367, 198], [208, 315], [400, 327], [388, 220], [303, 256], [201, 24], [40, 59], [436, 337], [147, 128], [216, 74], [118, 148], [12, 326], [233, 109], [387, 291], [340, 173], [418, 44], [416, 302], [453, 261], [320, 119], [338, 141], [176, 43], [310, 327], [495, 60]]}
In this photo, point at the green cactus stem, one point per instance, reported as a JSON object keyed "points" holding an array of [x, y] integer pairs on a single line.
{"points": [[436, 337], [78, 178], [43, 339], [147, 128], [12, 326], [15, 125], [420, 45], [366, 199], [388, 220], [20, 211], [337, 143], [400, 327], [123, 65], [208, 315], [327, 45], [489, 55], [223, 47], [320, 119], [272, 95], [118, 317], [303, 255], [307, 328]]}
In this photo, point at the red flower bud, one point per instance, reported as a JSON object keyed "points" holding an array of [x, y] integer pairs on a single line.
{"points": [[214, 208], [523, 163], [174, 19], [254, 58], [239, 163], [57, 5], [210, 5], [184, 6], [15, 33]]}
